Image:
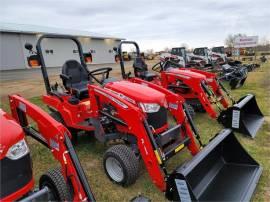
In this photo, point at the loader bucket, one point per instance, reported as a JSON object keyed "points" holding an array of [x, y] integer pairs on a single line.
{"points": [[243, 117], [239, 78], [237, 82], [222, 171]]}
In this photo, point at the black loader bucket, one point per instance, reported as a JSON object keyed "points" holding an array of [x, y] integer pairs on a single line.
{"points": [[243, 117], [237, 82], [238, 78], [222, 171]]}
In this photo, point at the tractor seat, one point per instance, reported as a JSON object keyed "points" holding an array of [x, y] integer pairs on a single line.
{"points": [[75, 78], [141, 70]]}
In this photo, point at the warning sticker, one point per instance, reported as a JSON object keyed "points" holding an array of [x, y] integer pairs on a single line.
{"points": [[235, 118], [182, 190]]}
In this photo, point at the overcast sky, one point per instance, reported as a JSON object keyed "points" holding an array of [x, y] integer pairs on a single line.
{"points": [[153, 23]]}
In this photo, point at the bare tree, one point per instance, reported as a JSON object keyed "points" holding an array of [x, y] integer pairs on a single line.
{"points": [[184, 45], [229, 41], [166, 49], [264, 41], [149, 51]]}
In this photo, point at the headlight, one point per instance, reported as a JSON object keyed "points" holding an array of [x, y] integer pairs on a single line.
{"points": [[150, 107], [18, 150]]}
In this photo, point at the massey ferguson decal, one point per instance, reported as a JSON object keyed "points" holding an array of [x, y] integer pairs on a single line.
{"points": [[113, 99]]}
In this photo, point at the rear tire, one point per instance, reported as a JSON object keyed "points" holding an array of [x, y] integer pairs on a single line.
{"points": [[121, 165], [55, 181]]}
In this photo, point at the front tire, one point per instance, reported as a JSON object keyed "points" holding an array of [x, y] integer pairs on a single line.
{"points": [[121, 165], [55, 181]]}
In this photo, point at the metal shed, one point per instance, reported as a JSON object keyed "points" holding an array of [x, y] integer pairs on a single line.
{"points": [[14, 36]]}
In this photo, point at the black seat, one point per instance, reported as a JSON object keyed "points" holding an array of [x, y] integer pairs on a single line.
{"points": [[75, 78], [141, 70]]}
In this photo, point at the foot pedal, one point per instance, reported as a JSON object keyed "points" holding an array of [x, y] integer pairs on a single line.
{"points": [[99, 132]]}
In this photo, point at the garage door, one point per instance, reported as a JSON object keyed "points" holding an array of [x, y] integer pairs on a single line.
{"points": [[11, 52]]}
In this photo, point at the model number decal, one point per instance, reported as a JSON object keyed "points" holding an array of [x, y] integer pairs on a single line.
{"points": [[235, 118], [146, 152], [182, 189], [54, 144], [173, 106], [113, 99]]}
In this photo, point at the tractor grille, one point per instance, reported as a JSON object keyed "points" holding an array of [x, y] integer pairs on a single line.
{"points": [[15, 174], [157, 119]]}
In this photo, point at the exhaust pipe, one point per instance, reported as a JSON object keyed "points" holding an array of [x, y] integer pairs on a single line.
{"points": [[244, 117], [222, 171]]}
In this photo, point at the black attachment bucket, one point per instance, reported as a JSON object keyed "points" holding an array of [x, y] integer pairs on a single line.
{"points": [[222, 171], [237, 82], [244, 117], [238, 78]]}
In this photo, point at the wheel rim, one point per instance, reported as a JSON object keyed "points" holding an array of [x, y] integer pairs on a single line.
{"points": [[52, 195], [114, 169]]}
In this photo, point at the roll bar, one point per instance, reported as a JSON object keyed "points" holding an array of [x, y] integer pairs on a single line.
{"points": [[119, 51], [41, 57]]}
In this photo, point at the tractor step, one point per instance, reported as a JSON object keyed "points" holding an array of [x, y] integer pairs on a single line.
{"points": [[99, 131], [171, 150], [170, 142], [168, 136]]}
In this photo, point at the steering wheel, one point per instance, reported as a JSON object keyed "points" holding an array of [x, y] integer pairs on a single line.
{"points": [[157, 67], [105, 72]]}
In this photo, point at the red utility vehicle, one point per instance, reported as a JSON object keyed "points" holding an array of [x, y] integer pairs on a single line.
{"points": [[67, 183]]}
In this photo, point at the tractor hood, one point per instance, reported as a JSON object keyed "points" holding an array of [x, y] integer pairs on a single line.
{"points": [[10, 133], [137, 92], [186, 73]]}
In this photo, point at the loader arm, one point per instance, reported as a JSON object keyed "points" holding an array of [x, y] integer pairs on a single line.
{"points": [[170, 79], [176, 107], [217, 89], [56, 137]]}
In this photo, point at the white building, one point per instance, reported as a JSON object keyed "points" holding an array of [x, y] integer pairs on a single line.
{"points": [[13, 55]]}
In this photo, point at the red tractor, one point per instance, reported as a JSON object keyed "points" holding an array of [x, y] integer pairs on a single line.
{"points": [[203, 91], [147, 122], [67, 183]]}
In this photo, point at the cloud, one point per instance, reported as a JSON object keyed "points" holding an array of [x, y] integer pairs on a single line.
{"points": [[153, 23]]}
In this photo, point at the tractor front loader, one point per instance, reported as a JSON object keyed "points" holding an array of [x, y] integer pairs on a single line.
{"points": [[221, 171], [203, 91], [204, 88], [68, 183]]}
